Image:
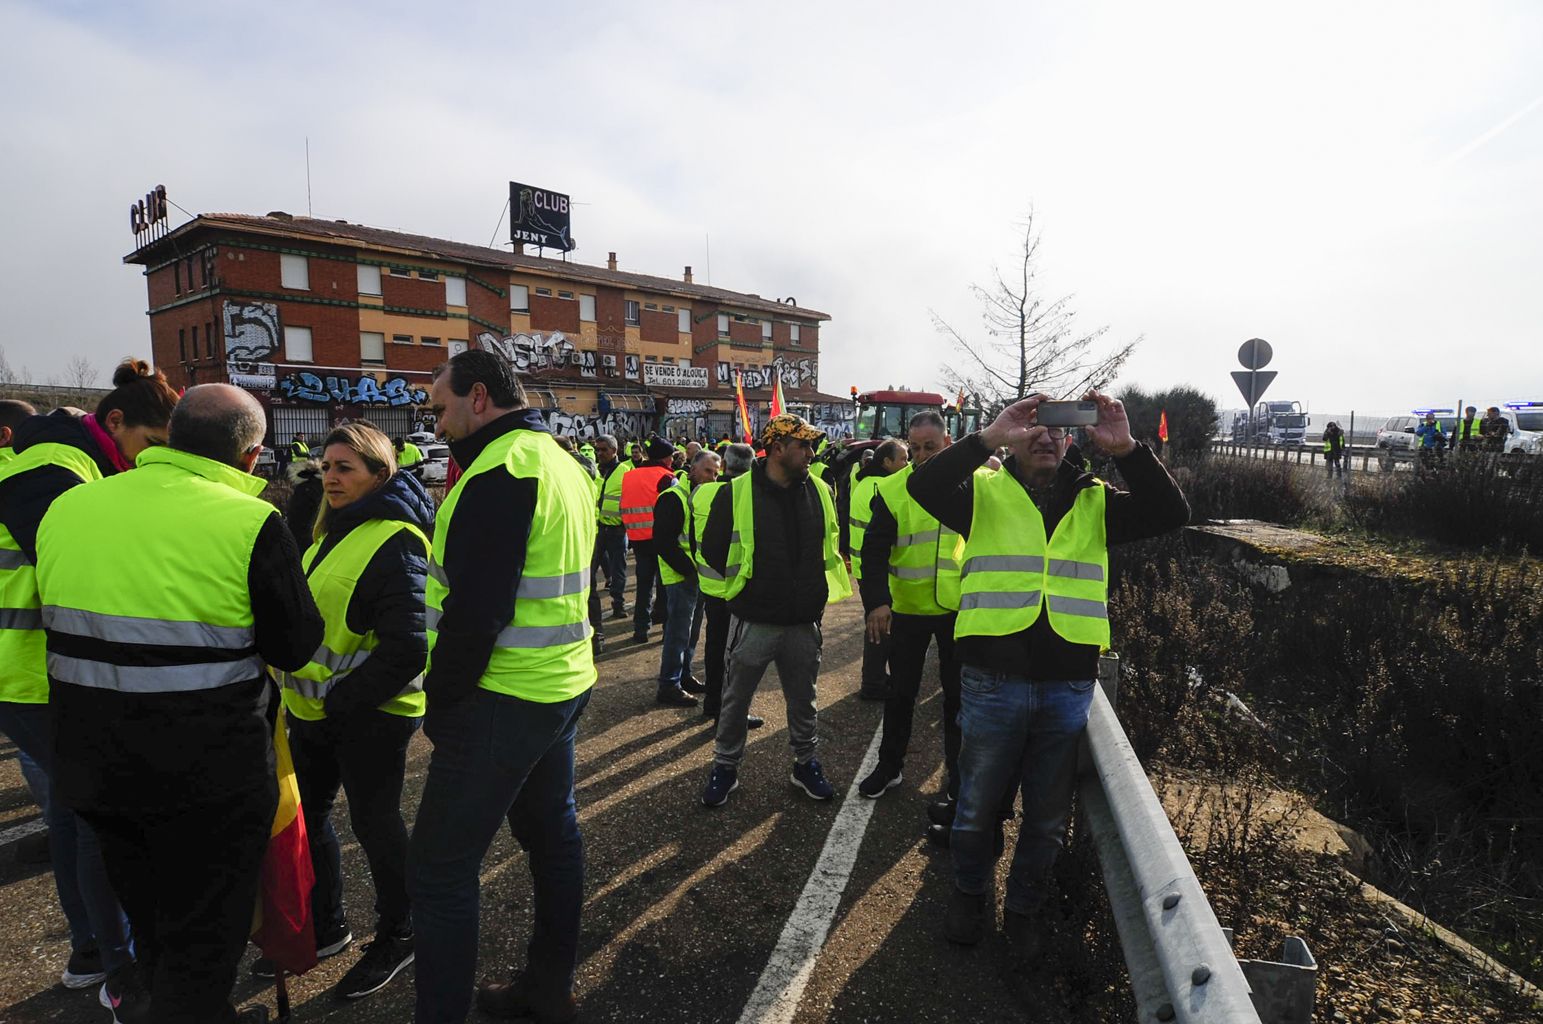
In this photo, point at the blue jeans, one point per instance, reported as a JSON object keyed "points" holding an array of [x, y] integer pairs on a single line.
{"points": [[496, 759], [1016, 729], [611, 553], [80, 876], [681, 631]]}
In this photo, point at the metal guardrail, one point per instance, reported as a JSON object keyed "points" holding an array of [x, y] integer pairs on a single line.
{"points": [[1308, 454], [1180, 959]]}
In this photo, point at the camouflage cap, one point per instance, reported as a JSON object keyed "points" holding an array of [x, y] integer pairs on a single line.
{"points": [[788, 427]]}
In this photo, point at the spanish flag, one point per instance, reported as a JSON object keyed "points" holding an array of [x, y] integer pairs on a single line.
{"points": [[282, 926], [744, 413], [778, 406], [1162, 427]]}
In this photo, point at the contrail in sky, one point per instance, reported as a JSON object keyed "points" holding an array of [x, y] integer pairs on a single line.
{"points": [[1492, 133]]}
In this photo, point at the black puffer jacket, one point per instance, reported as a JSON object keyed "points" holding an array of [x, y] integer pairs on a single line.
{"points": [[388, 597], [787, 585]]}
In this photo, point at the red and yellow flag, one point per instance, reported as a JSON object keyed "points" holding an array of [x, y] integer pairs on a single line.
{"points": [[778, 406], [282, 926], [744, 412], [1162, 427]]}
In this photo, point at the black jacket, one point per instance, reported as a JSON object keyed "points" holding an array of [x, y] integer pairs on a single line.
{"points": [[1154, 505], [787, 585], [484, 557], [388, 598], [304, 502], [24, 498]]}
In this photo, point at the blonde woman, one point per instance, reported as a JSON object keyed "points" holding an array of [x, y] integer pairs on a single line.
{"points": [[355, 707]]}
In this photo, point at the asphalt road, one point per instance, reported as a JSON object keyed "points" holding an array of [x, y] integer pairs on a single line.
{"points": [[684, 905]]}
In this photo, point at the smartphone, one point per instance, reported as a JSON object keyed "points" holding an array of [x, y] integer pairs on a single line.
{"points": [[1067, 414]]}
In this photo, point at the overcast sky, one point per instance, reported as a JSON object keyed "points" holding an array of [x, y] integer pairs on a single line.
{"points": [[1360, 184]]}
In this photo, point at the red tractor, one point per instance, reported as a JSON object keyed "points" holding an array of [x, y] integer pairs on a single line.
{"points": [[887, 413]]}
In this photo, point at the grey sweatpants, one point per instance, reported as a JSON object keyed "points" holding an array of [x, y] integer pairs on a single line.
{"points": [[752, 646]]}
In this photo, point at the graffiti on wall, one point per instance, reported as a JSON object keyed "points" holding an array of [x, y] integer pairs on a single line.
{"points": [[529, 352], [685, 406], [801, 373], [251, 331], [632, 367], [837, 419], [309, 387], [616, 423]]}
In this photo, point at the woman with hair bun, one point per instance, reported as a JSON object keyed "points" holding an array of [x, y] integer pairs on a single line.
{"points": [[54, 453], [353, 710]]}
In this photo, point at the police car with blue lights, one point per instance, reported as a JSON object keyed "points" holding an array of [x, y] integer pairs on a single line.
{"points": [[1526, 420]]}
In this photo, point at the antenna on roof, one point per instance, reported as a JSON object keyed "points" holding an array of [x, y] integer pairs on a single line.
{"points": [[500, 223], [709, 238], [308, 176]]}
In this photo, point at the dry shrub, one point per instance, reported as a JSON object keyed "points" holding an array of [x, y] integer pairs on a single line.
{"points": [[1472, 502]]}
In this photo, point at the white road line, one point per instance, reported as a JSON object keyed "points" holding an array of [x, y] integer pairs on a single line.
{"points": [[787, 973], [17, 833]]}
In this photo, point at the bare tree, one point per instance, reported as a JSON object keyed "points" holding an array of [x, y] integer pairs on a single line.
{"points": [[7, 375], [1031, 342], [80, 372]]}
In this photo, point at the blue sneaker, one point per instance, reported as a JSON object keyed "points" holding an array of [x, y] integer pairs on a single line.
{"points": [[810, 777], [720, 784]]}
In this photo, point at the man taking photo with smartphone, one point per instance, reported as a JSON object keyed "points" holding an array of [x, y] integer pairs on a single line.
{"points": [[1033, 618]]}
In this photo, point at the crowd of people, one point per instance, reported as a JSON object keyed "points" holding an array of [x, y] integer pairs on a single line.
{"points": [[142, 687]]}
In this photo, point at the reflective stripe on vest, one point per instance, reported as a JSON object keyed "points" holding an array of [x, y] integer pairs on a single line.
{"points": [[681, 494], [181, 589], [332, 581], [741, 558], [710, 580], [859, 508], [23, 648], [639, 493], [1011, 573], [543, 655], [923, 561]]}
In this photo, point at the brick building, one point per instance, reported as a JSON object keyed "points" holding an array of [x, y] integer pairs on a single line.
{"points": [[324, 320]]}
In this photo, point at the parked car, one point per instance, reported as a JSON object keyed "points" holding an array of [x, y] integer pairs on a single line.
{"points": [[1397, 434], [436, 461]]}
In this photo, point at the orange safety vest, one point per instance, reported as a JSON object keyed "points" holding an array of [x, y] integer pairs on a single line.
{"points": [[639, 492]]}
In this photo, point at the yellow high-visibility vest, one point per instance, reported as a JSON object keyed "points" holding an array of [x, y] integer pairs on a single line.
{"points": [[182, 583], [23, 651], [923, 563], [1012, 573], [342, 650], [543, 654]]}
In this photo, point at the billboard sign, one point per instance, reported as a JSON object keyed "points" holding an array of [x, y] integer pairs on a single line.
{"points": [[253, 376], [668, 375], [540, 217]]}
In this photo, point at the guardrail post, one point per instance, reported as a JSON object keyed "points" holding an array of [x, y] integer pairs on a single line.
{"points": [[1285, 991]]}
